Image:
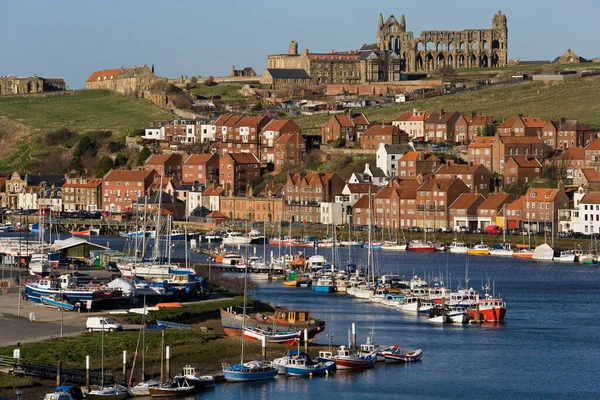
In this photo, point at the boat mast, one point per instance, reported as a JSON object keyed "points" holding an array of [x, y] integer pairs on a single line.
{"points": [[244, 316], [157, 222], [369, 250]]}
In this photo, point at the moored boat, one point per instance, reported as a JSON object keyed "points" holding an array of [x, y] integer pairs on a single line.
{"points": [[419, 246], [249, 371], [565, 256], [283, 338], [347, 359], [400, 356], [458, 248], [116, 392], [479, 249], [179, 387], [490, 310]]}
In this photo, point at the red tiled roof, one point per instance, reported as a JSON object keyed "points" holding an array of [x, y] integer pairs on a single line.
{"points": [[343, 120], [360, 119], [479, 120], [516, 204], [521, 139], [576, 153], [387, 130], [233, 121], [195, 159], [106, 74], [533, 122], [127, 175], [286, 137], [419, 116], [278, 124], [574, 125], [363, 202], [216, 214], [442, 183], [459, 169], [591, 175], [159, 158], [244, 158], [526, 162], [482, 142], [466, 200], [591, 198], [508, 123], [91, 183], [496, 200], [541, 194], [222, 119], [250, 121], [595, 145]]}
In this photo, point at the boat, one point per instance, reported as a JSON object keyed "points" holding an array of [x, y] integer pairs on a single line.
{"points": [[393, 246], [281, 320], [283, 338], [143, 388], [419, 246], [133, 234], [179, 387], [347, 359], [565, 256], [7, 227], [458, 248], [116, 392], [399, 356], [174, 234], [523, 251], [480, 249], [284, 241], [233, 238], [457, 314], [37, 228], [490, 310], [392, 299], [323, 285], [231, 258], [65, 392], [301, 367], [437, 315], [65, 286], [351, 243], [81, 231], [502, 249], [256, 237], [193, 377], [543, 252], [58, 301], [291, 280], [39, 264]]}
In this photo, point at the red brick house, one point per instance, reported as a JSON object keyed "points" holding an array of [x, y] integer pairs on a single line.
{"points": [[434, 197], [490, 212], [350, 127], [415, 163], [581, 177], [509, 146], [521, 126], [236, 170], [521, 170], [120, 188], [165, 164], [413, 123], [573, 133], [550, 133], [201, 168], [475, 176], [305, 191], [540, 208], [463, 211], [514, 213], [290, 150], [575, 158], [480, 151], [479, 125], [270, 133], [382, 134], [440, 126]]}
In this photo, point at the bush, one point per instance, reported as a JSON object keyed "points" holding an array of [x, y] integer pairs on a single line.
{"points": [[104, 165], [182, 102], [120, 160], [115, 147], [143, 156], [55, 137], [210, 81], [338, 143]]}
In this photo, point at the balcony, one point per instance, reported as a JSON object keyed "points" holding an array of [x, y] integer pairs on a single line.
{"points": [[422, 207]]}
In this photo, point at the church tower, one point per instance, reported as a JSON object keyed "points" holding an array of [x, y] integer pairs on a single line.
{"points": [[499, 40]]}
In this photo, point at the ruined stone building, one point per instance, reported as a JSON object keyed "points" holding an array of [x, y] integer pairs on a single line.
{"points": [[31, 84], [124, 80], [397, 51]]}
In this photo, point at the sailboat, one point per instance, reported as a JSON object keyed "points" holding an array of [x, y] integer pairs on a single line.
{"points": [[142, 388], [116, 392], [249, 371], [503, 249]]}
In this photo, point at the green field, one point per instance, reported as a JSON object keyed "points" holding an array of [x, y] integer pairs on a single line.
{"points": [[227, 92], [574, 99], [81, 112]]}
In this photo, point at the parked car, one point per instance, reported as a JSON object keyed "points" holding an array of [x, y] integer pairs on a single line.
{"points": [[493, 230], [94, 324], [564, 234], [415, 229]]}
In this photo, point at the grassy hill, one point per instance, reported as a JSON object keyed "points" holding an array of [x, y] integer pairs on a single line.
{"points": [[25, 120], [574, 99]]}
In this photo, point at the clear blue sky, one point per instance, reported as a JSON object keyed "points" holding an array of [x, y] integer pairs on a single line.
{"points": [[73, 38]]}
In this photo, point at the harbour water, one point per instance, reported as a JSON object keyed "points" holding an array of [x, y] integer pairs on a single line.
{"points": [[546, 348]]}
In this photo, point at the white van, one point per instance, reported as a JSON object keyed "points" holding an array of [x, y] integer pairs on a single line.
{"points": [[99, 323]]}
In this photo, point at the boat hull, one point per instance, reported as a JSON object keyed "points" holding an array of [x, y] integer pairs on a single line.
{"points": [[411, 356], [233, 325], [422, 249], [491, 314], [310, 370], [478, 252], [56, 303], [354, 363], [171, 392], [323, 289], [249, 375]]}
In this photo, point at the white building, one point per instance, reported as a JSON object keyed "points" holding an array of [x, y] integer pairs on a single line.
{"points": [[568, 218], [589, 214], [332, 213], [387, 158], [412, 123], [155, 132]]}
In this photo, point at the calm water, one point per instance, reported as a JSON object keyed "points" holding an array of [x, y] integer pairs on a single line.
{"points": [[547, 348]]}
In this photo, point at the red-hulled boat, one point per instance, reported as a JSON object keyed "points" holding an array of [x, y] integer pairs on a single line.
{"points": [[490, 310], [282, 241], [417, 245], [346, 359]]}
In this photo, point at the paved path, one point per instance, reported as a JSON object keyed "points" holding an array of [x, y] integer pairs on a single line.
{"points": [[15, 329]]}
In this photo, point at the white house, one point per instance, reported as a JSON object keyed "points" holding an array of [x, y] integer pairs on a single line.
{"points": [[155, 132], [589, 214], [387, 158], [332, 213], [568, 218]]}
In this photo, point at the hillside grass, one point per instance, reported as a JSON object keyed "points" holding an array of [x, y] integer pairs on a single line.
{"points": [[227, 92], [574, 99], [81, 112]]}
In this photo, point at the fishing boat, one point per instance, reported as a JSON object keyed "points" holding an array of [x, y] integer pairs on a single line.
{"points": [[565, 256], [302, 367], [81, 231], [490, 310], [285, 241], [283, 338], [457, 314], [65, 392], [179, 387], [392, 299], [437, 315], [323, 285], [132, 234], [39, 264], [174, 234], [231, 258], [291, 280], [58, 301], [400, 356], [351, 243], [256, 237], [347, 359], [419, 246], [480, 249], [502, 249], [281, 320], [458, 248], [193, 377], [65, 286]]}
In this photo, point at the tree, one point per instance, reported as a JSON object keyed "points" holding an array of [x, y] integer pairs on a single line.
{"points": [[338, 143], [115, 147], [143, 156], [104, 165], [120, 160], [257, 107], [210, 81], [446, 73]]}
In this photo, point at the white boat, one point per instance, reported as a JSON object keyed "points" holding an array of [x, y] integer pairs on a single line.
{"points": [[232, 238], [231, 258], [504, 250], [410, 304], [457, 315], [351, 243], [565, 256], [458, 248], [437, 316], [256, 237], [378, 295], [392, 299], [393, 246], [39, 265], [480, 249], [543, 252], [143, 388]]}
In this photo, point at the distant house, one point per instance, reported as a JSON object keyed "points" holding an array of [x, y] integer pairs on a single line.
{"points": [[440, 126], [521, 170], [248, 71], [521, 126], [475, 176], [415, 163], [347, 126], [377, 135], [413, 123], [124, 80]]}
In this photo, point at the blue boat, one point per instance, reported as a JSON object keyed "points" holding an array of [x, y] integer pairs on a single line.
{"points": [[141, 233], [301, 367], [58, 301], [7, 227], [249, 371], [63, 286], [36, 228], [323, 285]]}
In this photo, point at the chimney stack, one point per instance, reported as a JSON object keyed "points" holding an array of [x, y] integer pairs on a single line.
{"points": [[562, 120], [232, 68], [441, 112], [414, 112], [332, 51]]}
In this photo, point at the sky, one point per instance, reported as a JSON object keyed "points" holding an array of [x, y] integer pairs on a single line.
{"points": [[73, 38]]}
